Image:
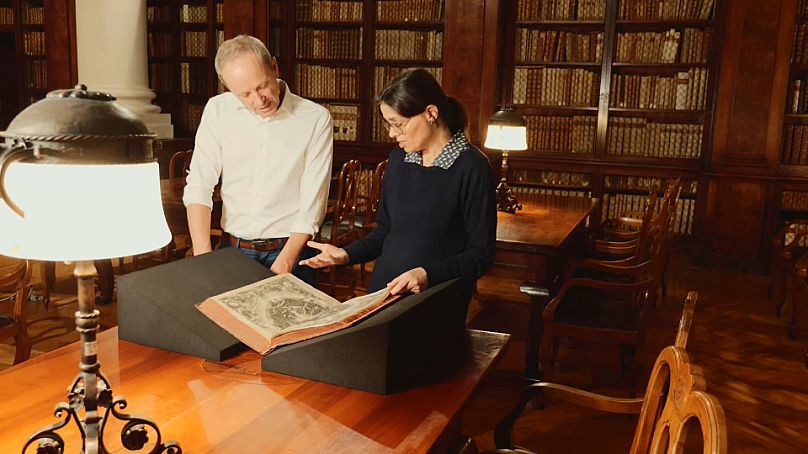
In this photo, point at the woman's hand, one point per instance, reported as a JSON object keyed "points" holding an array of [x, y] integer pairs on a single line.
{"points": [[414, 280], [329, 255]]}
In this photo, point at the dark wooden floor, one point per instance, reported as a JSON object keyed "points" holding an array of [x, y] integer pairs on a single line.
{"points": [[749, 363]]}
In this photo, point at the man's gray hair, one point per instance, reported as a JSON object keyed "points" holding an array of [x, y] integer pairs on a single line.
{"points": [[239, 45]]}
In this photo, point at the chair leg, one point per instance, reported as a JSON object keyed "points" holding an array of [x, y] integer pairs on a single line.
{"points": [[47, 274], [546, 358], [535, 331], [22, 349], [780, 291]]}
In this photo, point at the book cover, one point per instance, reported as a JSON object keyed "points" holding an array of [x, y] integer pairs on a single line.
{"points": [[283, 310]]}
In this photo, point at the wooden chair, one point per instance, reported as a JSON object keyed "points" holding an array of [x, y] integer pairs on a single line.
{"points": [[798, 276], [370, 205], [15, 284], [675, 394], [604, 301], [339, 229], [790, 243], [179, 164]]}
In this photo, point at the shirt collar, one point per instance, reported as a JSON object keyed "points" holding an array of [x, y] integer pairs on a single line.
{"points": [[447, 155]]}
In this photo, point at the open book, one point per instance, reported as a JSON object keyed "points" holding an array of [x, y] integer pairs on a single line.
{"points": [[283, 309]]}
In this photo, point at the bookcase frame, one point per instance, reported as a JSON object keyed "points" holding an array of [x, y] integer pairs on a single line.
{"points": [[185, 108], [600, 165]]}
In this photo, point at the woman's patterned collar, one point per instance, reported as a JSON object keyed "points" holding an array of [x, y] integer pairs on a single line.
{"points": [[447, 156]]}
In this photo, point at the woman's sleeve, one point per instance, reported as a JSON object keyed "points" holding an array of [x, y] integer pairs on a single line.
{"points": [[479, 210]]}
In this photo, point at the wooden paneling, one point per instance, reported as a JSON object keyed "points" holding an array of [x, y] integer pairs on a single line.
{"points": [[735, 213]]}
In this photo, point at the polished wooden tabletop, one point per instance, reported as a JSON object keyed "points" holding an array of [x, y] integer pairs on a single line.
{"points": [[234, 407], [544, 222]]}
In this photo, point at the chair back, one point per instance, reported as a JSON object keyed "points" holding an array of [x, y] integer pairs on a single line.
{"points": [[688, 310], [374, 195], [179, 163], [675, 395], [344, 211], [16, 281]]}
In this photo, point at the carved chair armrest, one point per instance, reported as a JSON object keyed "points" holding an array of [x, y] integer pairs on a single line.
{"points": [[611, 247], [623, 267], [503, 434]]}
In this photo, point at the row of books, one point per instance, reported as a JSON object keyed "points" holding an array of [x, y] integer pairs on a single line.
{"points": [[315, 81], [543, 177], [795, 145], [794, 200], [802, 9], [638, 183], [192, 115], [663, 47], [382, 75], [799, 49], [194, 14], [798, 101], [6, 15], [33, 43], [36, 74], [639, 137], [329, 11], [158, 13], [526, 193], [683, 216], [686, 90], [330, 43], [194, 44], [32, 14], [588, 10], [539, 46], [665, 10], [162, 77], [346, 119], [571, 87], [408, 45], [561, 134], [160, 44], [409, 10], [193, 78]]}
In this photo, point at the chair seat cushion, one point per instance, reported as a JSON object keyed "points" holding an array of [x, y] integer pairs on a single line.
{"points": [[595, 308]]}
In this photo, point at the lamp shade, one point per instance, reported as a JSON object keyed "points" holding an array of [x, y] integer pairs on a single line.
{"points": [[83, 212], [78, 181], [506, 131]]}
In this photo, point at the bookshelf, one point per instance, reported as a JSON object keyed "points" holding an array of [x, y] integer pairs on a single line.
{"points": [[342, 53], [36, 52], [623, 88], [183, 36]]}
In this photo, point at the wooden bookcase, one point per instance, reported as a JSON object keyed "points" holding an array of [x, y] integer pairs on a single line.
{"points": [[342, 53], [617, 94], [183, 36], [37, 52]]}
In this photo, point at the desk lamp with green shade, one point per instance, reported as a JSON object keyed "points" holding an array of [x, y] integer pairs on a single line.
{"points": [[79, 182], [506, 132]]}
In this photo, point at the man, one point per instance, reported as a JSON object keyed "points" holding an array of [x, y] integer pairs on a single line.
{"points": [[272, 150]]}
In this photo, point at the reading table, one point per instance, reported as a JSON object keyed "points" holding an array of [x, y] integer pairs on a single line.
{"points": [[234, 407], [530, 247]]}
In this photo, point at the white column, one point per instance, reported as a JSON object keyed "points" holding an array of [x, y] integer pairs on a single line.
{"points": [[111, 47]]}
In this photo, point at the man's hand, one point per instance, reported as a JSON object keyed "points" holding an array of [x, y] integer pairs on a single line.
{"points": [[414, 280], [329, 255], [285, 262]]}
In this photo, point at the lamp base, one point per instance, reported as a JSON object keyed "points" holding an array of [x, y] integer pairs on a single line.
{"points": [[506, 201], [91, 390]]}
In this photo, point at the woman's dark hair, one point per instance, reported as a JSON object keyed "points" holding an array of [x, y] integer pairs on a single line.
{"points": [[412, 91]]}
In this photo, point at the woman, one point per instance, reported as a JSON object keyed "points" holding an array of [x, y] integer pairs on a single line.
{"points": [[437, 213]]}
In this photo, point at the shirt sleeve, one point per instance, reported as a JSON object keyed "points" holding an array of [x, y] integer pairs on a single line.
{"points": [[480, 224], [315, 179], [206, 162]]}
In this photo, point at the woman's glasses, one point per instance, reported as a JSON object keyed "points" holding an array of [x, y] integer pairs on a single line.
{"points": [[399, 129]]}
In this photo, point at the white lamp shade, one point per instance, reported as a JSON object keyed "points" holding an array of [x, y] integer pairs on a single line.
{"points": [[82, 212], [501, 137]]}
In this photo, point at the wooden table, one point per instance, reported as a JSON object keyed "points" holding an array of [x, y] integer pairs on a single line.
{"points": [[234, 407], [530, 247]]}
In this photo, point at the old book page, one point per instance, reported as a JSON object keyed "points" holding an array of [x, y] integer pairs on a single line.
{"points": [[283, 309]]}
